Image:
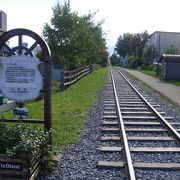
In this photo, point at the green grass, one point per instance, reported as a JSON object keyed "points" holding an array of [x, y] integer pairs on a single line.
{"points": [[153, 74], [147, 72], [70, 107], [175, 82]]}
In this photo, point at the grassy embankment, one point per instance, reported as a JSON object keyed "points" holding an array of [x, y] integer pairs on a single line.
{"points": [[150, 73], [153, 74], [70, 107]]}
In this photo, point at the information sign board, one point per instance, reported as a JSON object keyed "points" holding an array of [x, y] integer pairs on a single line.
{"points": [[20, 112], [4, 165], [20, 79]]}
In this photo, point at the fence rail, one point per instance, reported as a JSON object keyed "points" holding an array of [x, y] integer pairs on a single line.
{"points": [[70, 77]]}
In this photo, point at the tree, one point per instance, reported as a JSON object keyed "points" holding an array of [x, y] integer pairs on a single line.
{"points": [[150, 53], [137, 45], [39, 55], [74, 40], [123, 44], [132, 44], [114, 59]]}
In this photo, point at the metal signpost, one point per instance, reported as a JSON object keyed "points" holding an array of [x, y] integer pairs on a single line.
{"points": [[20, 79]]}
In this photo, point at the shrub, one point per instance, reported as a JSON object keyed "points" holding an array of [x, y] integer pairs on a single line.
{"points": [[139, 68], [3, 138], [26, 142], [23, 142], [149, 67], [131, 61]]}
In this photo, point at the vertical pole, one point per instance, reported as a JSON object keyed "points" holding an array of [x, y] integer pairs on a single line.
{"points": [[62, 80], [20, 45], [47, 99], [91, 64]]}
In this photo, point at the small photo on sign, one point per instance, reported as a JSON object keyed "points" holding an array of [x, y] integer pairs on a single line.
{"points": [[20, 112]]}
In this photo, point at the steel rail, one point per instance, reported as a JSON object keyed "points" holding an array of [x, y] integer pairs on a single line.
{"points": [[129, 165], [173, 132]]}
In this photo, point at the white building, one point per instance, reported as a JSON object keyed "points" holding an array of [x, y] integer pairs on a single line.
{"points": [[3, 22], [162, 40], [37, 49], [25, 44]]}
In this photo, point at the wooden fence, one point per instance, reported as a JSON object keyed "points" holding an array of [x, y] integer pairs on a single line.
{"points": [[70, 77]]}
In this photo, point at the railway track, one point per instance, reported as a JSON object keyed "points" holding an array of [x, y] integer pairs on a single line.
{"points": [[137, 136]]}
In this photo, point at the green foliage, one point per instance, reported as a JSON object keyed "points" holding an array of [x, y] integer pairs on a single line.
{"points": [[131, 61], [151, 72], [55, 86], [147, 65], [39, 55], [175, 82], [150, 67], [3, 138], [114, 59], [69, 111], [74, 40], [69, 108], [137, 45], [171, 49], [23, 142], [123, 44], [148, 72], [150, 53], [132, 44]]}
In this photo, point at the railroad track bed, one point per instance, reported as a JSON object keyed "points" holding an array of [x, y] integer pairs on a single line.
{"points": [[100, 154], [79, 161], [153, 146]]}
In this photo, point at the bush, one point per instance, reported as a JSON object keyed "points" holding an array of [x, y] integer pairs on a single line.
{"points": [[55, 86], [131, 61], [149, 67], [23, 142], [3, 138]]}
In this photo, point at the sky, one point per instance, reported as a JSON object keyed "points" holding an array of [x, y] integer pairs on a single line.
{"points": [[121, 16]]}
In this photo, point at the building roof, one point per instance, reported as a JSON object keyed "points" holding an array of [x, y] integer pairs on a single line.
{"points": [[174, 58], [2, 11], [168, 32]]}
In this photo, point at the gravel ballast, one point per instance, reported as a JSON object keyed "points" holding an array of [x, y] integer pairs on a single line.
{"points": [[79, 161]]}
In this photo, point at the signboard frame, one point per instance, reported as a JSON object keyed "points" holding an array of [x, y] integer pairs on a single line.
{"points": [[46, 61]]}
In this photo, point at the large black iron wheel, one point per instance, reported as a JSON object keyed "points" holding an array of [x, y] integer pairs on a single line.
{"points": [[20, 49]]}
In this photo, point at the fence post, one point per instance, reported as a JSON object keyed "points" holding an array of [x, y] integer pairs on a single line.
{"points": [[91, 68], [62, 81]]}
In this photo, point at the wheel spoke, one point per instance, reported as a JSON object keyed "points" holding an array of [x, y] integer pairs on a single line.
{"points": [[9, 49], [31, 48], [20, 44]]}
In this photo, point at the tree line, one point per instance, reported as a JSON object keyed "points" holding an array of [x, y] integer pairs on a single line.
{"points": [[131, 45], [139, 52], [75, 40]]}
